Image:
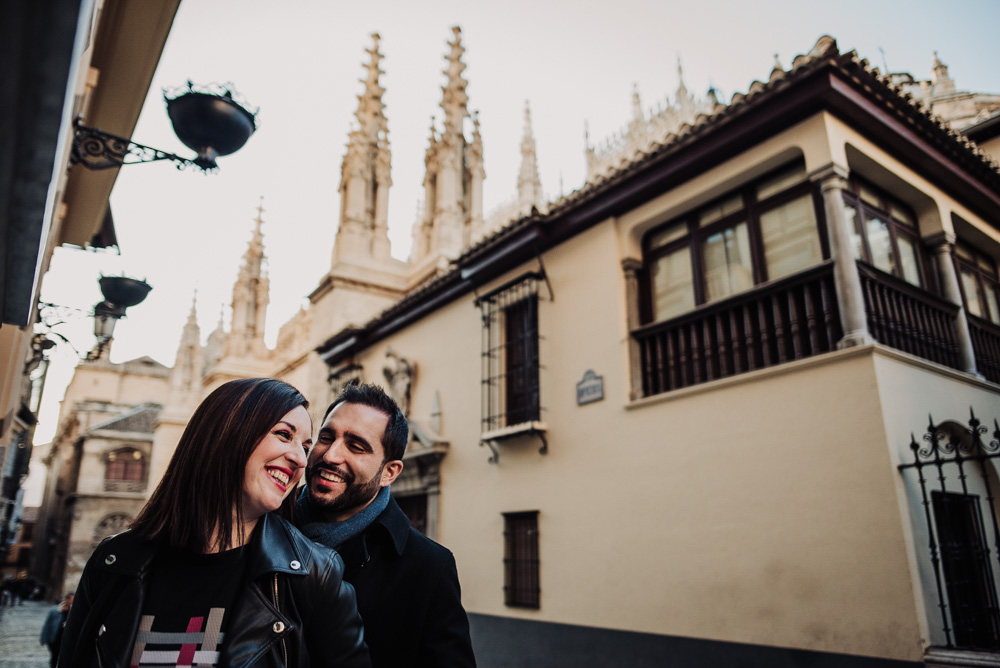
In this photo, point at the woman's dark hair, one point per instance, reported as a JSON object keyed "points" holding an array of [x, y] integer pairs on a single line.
{"points": [[203, 484]]}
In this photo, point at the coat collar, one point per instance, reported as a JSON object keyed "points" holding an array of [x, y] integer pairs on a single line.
{"points": [[271, 550], [396, 523], [124, 554], [390, 529]]}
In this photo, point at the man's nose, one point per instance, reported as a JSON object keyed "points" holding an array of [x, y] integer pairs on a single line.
{"points": [[335, 453]]}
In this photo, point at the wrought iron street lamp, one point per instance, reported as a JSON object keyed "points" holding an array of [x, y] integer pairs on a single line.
{"points": [[211, 120], [120, 293]]}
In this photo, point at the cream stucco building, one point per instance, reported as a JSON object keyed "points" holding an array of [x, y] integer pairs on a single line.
{"points": [[667, 419]]}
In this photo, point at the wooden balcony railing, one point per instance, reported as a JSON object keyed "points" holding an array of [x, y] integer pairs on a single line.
{"points": [[786, 320], [986, 346], [909, 318], [798, 317]]}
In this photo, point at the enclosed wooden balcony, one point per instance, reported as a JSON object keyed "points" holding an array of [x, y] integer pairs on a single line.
{"points": [[798, 317]]}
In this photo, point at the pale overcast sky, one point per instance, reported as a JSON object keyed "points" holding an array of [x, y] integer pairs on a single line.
{"points": [[300, 61]]}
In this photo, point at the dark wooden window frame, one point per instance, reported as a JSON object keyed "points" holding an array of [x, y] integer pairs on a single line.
{"points": [[896, 227], [521, 560], [986, 280], [695, 236], [124, 466]]}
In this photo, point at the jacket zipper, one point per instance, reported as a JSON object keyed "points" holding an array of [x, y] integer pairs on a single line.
{"points": [[284, 650]]}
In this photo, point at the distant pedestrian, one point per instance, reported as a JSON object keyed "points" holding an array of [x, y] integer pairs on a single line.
{"points": [[7, 588], [25, 585], [52, 629]]}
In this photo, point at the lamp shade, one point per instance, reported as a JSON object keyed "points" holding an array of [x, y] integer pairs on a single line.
{"points": [[210, 124], [124, 291]]}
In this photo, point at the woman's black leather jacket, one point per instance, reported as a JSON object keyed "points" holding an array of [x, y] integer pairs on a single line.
{"points": [[294, 610]]}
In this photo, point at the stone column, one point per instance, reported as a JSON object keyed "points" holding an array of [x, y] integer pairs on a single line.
{"points": [[850, 298], [631, 266], [944, 248]]}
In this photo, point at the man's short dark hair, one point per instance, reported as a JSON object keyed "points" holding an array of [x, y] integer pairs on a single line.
{"points": [[397, 430]]}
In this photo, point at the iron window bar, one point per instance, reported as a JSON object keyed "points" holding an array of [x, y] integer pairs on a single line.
{"points": [[510, 390], [521, 560], [957, 533]]}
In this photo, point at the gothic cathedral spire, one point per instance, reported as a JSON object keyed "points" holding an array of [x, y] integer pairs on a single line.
{"points": [[364, 179], [185, 377], [250, 298], [453, 182], [529, 185]]}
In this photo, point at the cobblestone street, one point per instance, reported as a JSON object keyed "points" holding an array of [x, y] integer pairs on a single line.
{"points": [[20, 627]]}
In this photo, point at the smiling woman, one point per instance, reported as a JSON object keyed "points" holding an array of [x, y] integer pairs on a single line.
{"points": [[209, 572]]}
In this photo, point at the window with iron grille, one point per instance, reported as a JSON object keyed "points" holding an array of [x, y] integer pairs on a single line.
{"points": [[510, 361], [967, 572], [521, 559]]}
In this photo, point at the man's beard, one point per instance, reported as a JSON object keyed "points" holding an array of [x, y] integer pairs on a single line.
{"points": [[354, 495]]}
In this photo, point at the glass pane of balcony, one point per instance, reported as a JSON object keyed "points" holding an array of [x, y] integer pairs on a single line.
{"points": [[673, 284], [908, 259], [880, 245], [728, 267], [791, 241]]}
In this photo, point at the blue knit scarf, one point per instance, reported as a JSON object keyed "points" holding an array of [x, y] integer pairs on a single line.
{"points": [[335, 534]]}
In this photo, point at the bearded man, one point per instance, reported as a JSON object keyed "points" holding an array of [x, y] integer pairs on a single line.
{"points": [[407, 585]]}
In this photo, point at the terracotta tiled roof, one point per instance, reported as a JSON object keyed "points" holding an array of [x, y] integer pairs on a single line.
{"points": [[824, 53]]}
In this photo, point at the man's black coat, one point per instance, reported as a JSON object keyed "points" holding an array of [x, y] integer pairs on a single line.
{"points": [[408, 595]]}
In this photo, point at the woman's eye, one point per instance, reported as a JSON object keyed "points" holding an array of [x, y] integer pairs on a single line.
{"points": [[282, 433]]}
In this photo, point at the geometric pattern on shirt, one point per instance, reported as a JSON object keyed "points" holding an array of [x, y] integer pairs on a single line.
{"points": [[179, 649]]}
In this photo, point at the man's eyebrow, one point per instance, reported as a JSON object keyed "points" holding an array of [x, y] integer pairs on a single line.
{"points": [[352, 436], [359, 439]]}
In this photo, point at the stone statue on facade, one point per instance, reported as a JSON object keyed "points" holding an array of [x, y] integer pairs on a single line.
{"points": [[399, 373]]}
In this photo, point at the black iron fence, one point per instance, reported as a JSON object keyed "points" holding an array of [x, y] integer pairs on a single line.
{"points": [[957, 494]]}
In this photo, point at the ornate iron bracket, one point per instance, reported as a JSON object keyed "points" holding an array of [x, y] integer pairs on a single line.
{"points": [[95, 149]]}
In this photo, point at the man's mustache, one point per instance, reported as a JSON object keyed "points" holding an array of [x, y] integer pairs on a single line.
{"points": [[316, 468]]}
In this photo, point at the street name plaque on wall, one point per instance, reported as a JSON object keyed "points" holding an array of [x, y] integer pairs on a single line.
{"points": [[590, 389]]}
